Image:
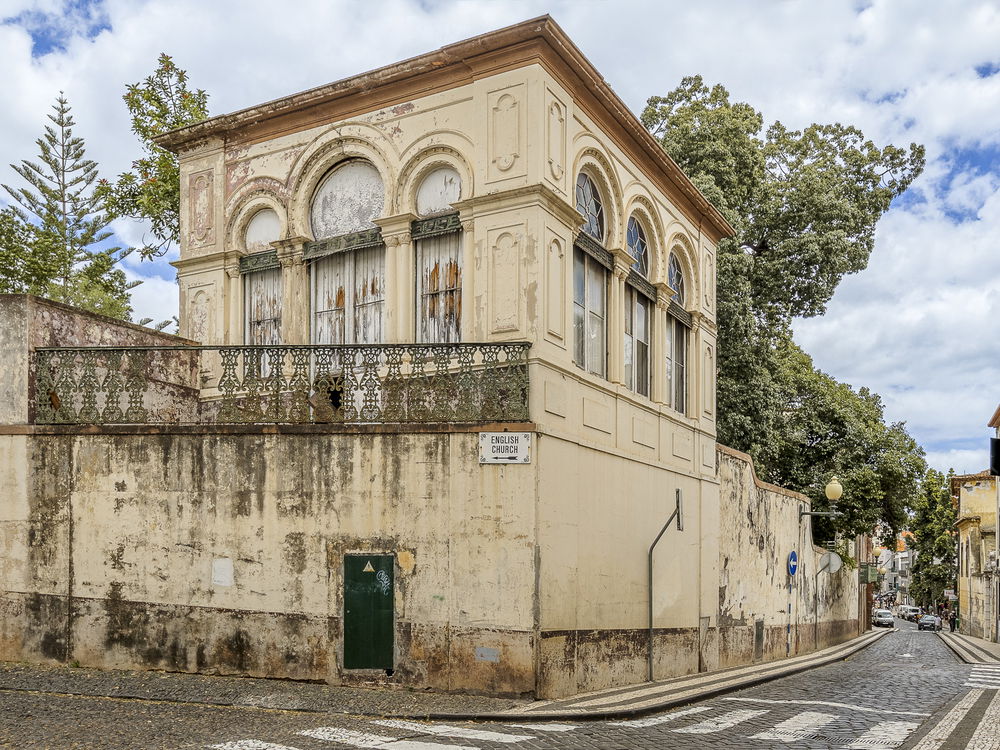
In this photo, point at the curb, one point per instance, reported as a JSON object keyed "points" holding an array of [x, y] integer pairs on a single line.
{"points": [[967, 653], [623, 713]]}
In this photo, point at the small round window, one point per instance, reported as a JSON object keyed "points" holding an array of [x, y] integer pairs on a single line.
{"points": [[675, 278], [588, 203], [347, 200], [438, 191], [637, 247], [263, 229]]}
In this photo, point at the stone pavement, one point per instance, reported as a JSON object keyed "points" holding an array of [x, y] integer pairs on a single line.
{"points": [[402, 703], [905, 687], [971, 650]]}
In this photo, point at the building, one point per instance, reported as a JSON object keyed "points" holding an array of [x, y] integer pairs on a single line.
{"points": [[457, 368], [976, 497]]}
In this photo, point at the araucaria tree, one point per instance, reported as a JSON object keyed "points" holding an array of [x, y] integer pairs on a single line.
{"points": [[151, 191], [933, 525], [804, 204], [52, 238]]}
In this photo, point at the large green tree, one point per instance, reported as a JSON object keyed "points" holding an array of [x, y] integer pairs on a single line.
{"points": [[804, 204], [933, 525], [151, 190], [54, 240]]}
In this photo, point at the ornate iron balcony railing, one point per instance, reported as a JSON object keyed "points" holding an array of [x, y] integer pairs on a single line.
{"points": [[387, 383]]}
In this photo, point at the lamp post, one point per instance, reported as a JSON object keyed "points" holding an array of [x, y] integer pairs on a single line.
{"points": [[833, 491]]}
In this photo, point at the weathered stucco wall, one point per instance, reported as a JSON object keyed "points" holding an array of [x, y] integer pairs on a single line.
{"points": [[764, 613], [125, 533]]}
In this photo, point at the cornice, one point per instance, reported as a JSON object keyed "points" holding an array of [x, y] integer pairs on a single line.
{"points": [[537, 41]]}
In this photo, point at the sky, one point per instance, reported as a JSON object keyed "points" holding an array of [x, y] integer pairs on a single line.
{"points": [[915, 326]]}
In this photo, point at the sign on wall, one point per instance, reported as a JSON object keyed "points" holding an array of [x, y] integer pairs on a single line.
{"points": [[505, 447]]}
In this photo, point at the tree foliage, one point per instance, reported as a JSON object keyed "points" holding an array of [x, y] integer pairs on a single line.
{"points": [[50, 242], [933, 522], [151, 190], [804, 204]]}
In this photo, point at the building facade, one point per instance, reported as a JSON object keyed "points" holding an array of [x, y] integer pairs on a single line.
{"points": [[456, 368], [976, 496]]}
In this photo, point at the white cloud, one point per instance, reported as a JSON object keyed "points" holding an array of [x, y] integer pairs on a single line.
{"points": [[916, 325]]}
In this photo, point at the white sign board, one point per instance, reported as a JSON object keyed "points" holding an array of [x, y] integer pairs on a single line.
{"points": [[505, 447]]}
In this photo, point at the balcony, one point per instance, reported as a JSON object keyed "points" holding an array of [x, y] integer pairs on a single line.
{"points": [[283, 384]]}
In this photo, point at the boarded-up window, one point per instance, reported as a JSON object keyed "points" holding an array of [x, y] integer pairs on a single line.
{"points": [[439, 289], [262, 295], [348, 297]]}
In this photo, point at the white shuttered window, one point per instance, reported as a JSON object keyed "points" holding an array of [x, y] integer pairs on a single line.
{"points": [[439, 289], [348, 297], [262, 296]]}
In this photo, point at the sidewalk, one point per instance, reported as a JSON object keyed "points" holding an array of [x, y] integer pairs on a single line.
{"points": [[971, 650], [411, 704]]}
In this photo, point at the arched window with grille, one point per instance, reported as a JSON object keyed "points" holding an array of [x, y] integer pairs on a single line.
{"points": [[591, 268], [639, 296], [347, 257], [677, 334]]}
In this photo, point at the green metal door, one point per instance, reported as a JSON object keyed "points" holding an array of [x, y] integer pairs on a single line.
{"points": [[368, 612]]}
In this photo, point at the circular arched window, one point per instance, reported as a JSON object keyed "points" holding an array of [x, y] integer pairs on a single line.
{"points": [[675, 278], [347, 200], [262, 229], [588, 203], [438, 191], [637, 248]]}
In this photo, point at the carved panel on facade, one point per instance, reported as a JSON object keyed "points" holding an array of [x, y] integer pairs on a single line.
{"points": [[555, 140], [708, 386], [709, 281], [506, 136], [555, 289], [505, 280], [199, 311], [201, 207]]}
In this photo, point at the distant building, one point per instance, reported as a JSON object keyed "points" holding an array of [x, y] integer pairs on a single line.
{"points": [[976, 497]]}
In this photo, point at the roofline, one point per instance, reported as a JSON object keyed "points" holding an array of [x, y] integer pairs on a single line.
{"points": [[458, 56], [995, 419]]}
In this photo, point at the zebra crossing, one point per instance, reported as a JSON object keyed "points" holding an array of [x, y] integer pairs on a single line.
{"points": [[984, 676], [694, 721]]}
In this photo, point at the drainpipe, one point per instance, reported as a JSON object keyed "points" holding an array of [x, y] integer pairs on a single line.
{"points": [[649, 573]]}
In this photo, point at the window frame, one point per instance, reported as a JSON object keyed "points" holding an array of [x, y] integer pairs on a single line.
{"points": [[583, 354]]}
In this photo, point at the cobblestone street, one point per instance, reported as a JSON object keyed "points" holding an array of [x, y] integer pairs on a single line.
{"points": [[879, 698]]}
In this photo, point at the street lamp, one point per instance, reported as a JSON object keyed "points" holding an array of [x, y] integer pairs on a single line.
{"points": [[833, 490]]}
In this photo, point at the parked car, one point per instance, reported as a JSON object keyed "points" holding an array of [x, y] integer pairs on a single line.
{"points": [[909, 612], [883, 619], [929, 622]]}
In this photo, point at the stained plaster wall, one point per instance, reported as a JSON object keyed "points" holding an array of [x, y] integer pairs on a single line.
{"points": [[764, 613], [127, 533], [977, 520]]}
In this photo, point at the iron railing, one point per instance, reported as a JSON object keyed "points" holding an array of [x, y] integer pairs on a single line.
{"points": [[378, 383]]}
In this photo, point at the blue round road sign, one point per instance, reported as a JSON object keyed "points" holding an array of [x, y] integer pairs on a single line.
{"points": [[793, 562]]}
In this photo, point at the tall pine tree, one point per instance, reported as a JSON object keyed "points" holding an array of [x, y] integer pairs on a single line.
{"points": [[61, 223]]}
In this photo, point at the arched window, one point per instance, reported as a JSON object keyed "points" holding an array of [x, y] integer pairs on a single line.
{"points": [[637, 248], [638, 311], [676, 345], [347, 260], [262, 292], [438, 245], [588, 203]]}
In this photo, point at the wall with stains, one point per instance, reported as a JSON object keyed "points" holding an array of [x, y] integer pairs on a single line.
{"points": [[223, 553], [764, 613]]}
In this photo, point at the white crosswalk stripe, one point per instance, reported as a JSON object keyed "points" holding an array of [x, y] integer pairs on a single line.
{"points": [[444, 730], [652, 721], [885, 734], [551, 727], [251, 745], [726, 721], [362, 739], [799, 727]]}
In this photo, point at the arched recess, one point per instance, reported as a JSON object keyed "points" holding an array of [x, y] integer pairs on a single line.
{"points": [[247, 205], [683, 248], [326, 152], [349, 197], [426, 158], [642, 208], [598, 167]]}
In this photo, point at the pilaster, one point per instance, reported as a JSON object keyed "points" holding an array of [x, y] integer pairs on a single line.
{"points": [[294, 290], [616, 316], [400, 278]]}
